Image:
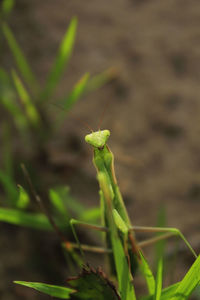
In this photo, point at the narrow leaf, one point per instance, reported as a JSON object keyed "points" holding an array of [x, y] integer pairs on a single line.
{"points": [[101, 79], [52, 290], [7, 6], [76, 92], [189, 282], [29, 107], [9, 187], [63, 56], [158, 286], [32, 220], [23, 199], [19, 57], [147, 273]]}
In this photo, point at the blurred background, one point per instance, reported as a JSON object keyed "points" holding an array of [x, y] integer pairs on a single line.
{"points": [[135, 69]]}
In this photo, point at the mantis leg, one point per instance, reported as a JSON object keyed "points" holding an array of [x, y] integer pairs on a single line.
{"points": [[167, 232], [74, 222]]}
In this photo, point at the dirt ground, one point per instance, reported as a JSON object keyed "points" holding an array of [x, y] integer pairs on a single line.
{"points": [[153, 114]]}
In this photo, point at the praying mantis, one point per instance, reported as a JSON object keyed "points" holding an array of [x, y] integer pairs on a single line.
{"points": [[121, 244]]}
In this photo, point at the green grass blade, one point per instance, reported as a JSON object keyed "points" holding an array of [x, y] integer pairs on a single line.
{"points": [[9, 187], [63, 56], [189, 282], [167, 293], [148, 275], [19, 57], [76, 92], [23, 199], [32, 220], [7, 6], [158, 286], [101, 79], [58, 203], [7, 155], [51, 290], [29, 107], [91, 215], [8, 100]]}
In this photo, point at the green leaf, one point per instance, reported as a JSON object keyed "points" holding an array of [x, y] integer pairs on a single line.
{"points": [[101, 79], [76, 92], [32, 220], [7, 6], [29, 107], [158, 286], [9, 187], [93, 284], [8, 100], [147, 273], [19, 57], [63, 56], [52, 290], [23, 199], [189, 282], [67, 102], [167, 293], [91, 215], [58, 203]]}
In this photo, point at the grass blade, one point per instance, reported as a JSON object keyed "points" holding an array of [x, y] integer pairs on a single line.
{"points": [[148, 275], [52, 290], [23, 199], [7, 6], [101, 79], [158, 286], [63, 56], [167, 293], [31, 220], [29, 107], [9, 187], [76, 92], [189, 282], [72, 98], [19, 57]]}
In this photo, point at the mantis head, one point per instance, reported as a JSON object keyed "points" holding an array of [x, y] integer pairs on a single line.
{"points": [[97, 139]]}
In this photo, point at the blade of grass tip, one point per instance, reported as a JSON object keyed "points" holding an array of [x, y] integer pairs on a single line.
{"points": [[158, 286], [62, 58], [23, 198], [51, 290], [101, 79], [67, 102], [20, 59], [189, 282], [58, 203], [147, 273], [27, 102], [7, 6]]}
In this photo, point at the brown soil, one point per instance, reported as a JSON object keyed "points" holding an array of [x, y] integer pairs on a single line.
{"points": [[154, 111]]}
